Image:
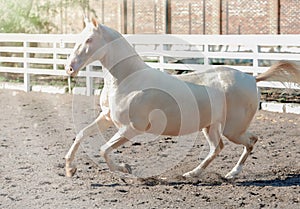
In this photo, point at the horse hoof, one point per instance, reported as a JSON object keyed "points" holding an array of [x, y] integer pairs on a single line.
{"points": [[234, 172], [70, 172], [230, 176], [193, 173], [188, 175], [125, 168]]}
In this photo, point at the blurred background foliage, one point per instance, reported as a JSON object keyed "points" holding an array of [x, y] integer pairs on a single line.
{"points": [[21, 16], [36, 16]]}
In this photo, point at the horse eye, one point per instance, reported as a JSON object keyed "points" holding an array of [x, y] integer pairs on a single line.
{"points": [[89, 40]]}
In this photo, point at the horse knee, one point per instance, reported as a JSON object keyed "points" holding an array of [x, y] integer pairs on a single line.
{"points": [[252, 139], [79, 136], [104, 150]]}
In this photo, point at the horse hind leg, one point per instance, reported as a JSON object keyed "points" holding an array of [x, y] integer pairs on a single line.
{"points": [[213, 136], [248, 140]]}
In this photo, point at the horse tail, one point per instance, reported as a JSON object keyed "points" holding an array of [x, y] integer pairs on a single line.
{"points": [[282, 71]]}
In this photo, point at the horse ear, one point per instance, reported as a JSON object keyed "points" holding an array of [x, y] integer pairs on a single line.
{"points": [[95, 22], [85, 22]]}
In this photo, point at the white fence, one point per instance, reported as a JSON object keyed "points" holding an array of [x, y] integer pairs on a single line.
{"points": [[45, 54]]}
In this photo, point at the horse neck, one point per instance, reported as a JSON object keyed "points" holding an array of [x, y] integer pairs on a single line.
{"points": [[121, 59]]}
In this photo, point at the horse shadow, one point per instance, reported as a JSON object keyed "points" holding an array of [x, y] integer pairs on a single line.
{"points": [[289, 180]]}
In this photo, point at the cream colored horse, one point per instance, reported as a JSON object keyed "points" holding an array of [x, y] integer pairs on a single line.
{"points": [[138, 99]]}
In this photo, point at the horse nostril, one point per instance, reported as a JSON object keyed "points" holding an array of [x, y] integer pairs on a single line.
{"points": [[70, 70]]}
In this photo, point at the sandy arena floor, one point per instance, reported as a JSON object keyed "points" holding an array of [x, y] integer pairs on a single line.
{"points": [[37, 130]]}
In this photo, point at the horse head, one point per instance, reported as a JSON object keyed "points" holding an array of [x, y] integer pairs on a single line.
{"points": [[89, 47]]}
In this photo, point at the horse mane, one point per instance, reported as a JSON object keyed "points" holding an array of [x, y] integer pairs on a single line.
{"points": [[109, 31]]}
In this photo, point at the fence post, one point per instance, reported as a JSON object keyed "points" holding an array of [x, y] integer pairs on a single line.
{"points": [[25, 66], [89, 81], [255, 59], [161, 48], [205, 52], [69, 84], [54, 55]]}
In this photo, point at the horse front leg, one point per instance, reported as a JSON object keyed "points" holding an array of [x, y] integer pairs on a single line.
{"points": [[100, 124], [117, 140]]}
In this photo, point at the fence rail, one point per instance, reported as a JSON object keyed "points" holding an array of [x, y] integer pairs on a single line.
{"points": [[45, 54]]}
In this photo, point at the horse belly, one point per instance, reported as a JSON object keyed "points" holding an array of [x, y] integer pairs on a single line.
{"points": [[161, 113], [161, 123]]}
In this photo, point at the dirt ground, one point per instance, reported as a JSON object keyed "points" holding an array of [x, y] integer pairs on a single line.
{"points": [[37, 130]]}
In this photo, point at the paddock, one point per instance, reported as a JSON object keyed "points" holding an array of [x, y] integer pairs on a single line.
{"points": [[37, 130]]}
